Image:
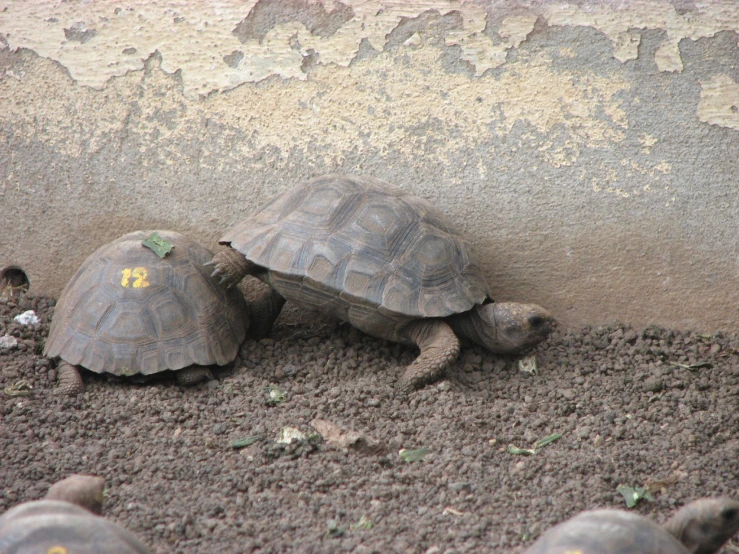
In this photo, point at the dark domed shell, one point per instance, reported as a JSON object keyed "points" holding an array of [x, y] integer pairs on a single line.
{"points": [[58, 527], [607, 532], [128, 311], [364, 244]]}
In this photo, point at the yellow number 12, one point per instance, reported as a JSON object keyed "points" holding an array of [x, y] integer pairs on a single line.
{"points": [[139, 277]]}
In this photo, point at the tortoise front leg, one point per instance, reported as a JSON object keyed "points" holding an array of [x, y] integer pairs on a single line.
{"points": [[231, 266], [69, 381], [263, 312], [439, 348]]}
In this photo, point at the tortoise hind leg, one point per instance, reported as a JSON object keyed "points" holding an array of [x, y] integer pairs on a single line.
{"points": [[193, 375], [69, 381], [262, 313], [439, 348]]}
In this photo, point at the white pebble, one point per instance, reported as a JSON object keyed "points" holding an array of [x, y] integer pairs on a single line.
{"points": [[28, 318]]}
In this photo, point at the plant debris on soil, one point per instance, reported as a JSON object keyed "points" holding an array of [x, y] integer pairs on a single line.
{"points": [[200, 469]]}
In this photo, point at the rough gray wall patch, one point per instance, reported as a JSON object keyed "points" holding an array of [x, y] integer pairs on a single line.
{"points": [[79, 33], [320, 20]]}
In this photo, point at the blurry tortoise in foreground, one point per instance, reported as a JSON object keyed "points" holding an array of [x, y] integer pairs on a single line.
{"points": [[64, 523], [128, 311], [700, 527], [382, 259]]}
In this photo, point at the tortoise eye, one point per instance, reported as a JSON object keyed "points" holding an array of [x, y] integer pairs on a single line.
{"points": [[536, 321], [729, 513]]}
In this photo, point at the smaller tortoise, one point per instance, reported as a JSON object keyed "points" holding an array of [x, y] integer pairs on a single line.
{"points": [[64, 522], [127, 311], [382, 259], [700, 527]]}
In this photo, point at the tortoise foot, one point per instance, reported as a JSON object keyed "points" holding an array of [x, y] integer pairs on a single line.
{"points": [[69, 382], [231, 266]]}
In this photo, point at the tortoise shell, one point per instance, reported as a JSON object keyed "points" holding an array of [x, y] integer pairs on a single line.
{"points": [[58, 527], [366, 252], [607, 532], [128, 311]]}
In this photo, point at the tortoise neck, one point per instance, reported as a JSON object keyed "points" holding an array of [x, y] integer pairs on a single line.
{"points": [[676, 527], [468, 326], [685, 527]]}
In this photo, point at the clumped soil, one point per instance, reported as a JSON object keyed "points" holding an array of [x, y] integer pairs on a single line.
{"points": [[634, 406]]}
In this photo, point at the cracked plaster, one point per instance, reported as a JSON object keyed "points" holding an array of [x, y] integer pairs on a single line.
{"points": [[97, 41]]}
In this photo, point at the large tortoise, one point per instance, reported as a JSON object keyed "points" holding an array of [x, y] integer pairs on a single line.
{"points": [[700, 527], [382, 259], [128, 311], [65, 523]]}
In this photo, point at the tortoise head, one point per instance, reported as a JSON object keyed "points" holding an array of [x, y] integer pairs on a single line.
{"points": [[705, 525], [84, 490], [506, 327]]}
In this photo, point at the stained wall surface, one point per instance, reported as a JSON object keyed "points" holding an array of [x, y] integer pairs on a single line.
{"points": [[589, 149]]}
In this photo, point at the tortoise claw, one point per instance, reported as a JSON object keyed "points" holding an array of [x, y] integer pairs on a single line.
{"points": [[218, 272], [224, 279]]}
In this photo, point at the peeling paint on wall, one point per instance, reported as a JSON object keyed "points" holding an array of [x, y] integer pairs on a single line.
{"points": [[96, 41], [334, 108], [479, 50], [719, 103], [707, 19]]}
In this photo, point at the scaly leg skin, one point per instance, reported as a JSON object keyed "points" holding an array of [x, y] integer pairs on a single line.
{"points": [[69, 381], [263, 311], [439, 348], [193, 375], [231, 266]]}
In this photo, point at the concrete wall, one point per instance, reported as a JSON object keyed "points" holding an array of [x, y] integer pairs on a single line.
{"points": [[589, 149]]}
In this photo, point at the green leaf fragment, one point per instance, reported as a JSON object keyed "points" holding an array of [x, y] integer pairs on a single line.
{"points": [[629, 495], [512, 449], [156, 243], [334, 531], [546, 441], [247, 441], [645, 494], [529, 364], [274, 395], [414, 455], [20, 388], [363, 523], [693, 367], [632, 495], [541, 443]]}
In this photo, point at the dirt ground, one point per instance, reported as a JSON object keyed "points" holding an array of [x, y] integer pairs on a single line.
{"points": [[634, 407]]}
